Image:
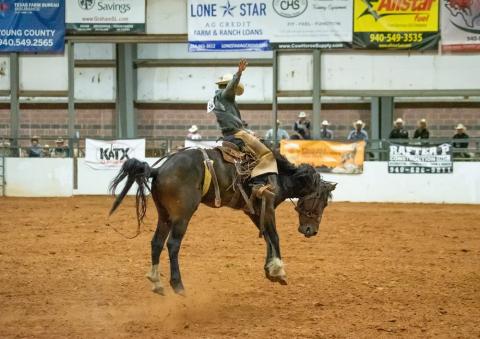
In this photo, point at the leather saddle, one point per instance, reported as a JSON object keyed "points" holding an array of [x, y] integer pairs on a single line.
{"points": [[231, 153]]}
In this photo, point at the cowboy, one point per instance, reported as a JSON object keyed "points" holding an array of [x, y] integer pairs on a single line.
{"points": [[398, 131], [460, 134], [358, 133], [35, 150], [325, 133], [302, 125], [422, 131], [60, 150], [193, 133], [230, 121]]}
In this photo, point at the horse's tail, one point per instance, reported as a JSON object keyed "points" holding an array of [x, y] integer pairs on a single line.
{"points": [[135, 171]]}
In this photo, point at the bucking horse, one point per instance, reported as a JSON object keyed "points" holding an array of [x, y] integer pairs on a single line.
{"points": [[184, 180]]}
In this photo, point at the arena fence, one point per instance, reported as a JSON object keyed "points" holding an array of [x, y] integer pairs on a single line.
{"points": [[2, 175], [376, 150]]}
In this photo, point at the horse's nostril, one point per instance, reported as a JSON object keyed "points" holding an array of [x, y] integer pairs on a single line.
{"points": [[315, 233], [308, 229]]}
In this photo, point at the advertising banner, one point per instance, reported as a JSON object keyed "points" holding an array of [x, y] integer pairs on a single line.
{"points": [[311, 24], [227, 25], [258, 25], [460, 25], [326, 156], [420, 159], [105, 16], [32, 26], [105, 154], [396, 24]]}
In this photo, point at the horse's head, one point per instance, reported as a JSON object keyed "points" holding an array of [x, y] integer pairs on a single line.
{"points": [[313, 198]]}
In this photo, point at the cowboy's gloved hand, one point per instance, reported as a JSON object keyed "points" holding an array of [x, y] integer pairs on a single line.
{"points": [[242, 65]]}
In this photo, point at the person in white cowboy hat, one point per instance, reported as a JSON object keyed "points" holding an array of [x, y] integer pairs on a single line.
{"points": [[193, 133], [358, 133], [325, 133], [398, 131], [302, 125], [61, 150], [460, 134], [230, 121], [422, 131]]}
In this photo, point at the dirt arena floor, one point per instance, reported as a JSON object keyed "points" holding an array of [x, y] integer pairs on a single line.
{"points": [[374, 270]]}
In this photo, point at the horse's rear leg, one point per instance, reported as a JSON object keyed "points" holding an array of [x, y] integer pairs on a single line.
{"points": [[158, 241], [179, 228]]}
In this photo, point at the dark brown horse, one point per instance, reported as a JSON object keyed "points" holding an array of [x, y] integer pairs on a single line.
{"points": [[176, 189]]}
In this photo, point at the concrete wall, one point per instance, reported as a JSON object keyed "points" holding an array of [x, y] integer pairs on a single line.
{"points": [[38, 177], [54, 177]]}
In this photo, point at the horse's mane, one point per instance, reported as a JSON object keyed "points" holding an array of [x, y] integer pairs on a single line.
{"points": [[285, 167]]}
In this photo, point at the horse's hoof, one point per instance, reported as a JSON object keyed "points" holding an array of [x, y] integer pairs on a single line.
{"points": [[152, 278], [158, 290], [178, 288], [282, 280]]}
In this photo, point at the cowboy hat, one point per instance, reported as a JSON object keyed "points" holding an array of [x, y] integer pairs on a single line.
{"points": [[302, 115], [59, 140], [359, 122], [34, 138], [461, 126], [193, 129], [398, 121], [422, 121], [225, 79], [325, 123]]}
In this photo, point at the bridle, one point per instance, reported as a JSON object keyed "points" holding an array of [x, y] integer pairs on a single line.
{"points": [[317, 196]]}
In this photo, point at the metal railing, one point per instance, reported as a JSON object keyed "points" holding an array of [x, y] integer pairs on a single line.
{"points": [[376, 150]]}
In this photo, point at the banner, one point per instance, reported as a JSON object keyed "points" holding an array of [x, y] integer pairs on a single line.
{"points": [[32, 26], [256, 25], [227, 25], [106, 16], [104, 154], [460, 25], [326, 156], [396, 24], [311, 24], [420, 159]]}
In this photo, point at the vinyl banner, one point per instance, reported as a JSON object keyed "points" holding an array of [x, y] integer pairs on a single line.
{"points": [[106, 16], [420, 159], [258, 25], [460, 25], [227, 25], [32, 26], [311, 24], [396, 24], [104, 154], [326, 156]]}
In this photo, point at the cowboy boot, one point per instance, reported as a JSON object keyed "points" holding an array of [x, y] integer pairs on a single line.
{"points": [[262, 187]]}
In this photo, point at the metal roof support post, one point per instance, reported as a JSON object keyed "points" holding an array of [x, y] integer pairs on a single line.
{"points": [[274, 96], [375, 124], [316, 98], [126, 117], [14, 98]]}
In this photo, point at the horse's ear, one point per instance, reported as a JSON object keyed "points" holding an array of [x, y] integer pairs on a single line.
{"points": [[332, 186]]}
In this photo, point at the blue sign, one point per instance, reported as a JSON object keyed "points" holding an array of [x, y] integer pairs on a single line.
{"points": [[32, 26]]}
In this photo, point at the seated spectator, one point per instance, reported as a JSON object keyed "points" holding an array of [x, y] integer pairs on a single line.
{"points": [[398, 131], [281, 133], [302, 126], [35, 150], [358, 133], [61, 150], [460, 134], [47, 152], [193, 133], [422, 131], [325, 133], [5, 150]]}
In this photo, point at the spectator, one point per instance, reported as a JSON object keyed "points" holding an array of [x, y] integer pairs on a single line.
{"points": [[398, 131], [5, 148], [47, 151], [61, 150], [460, 134], [358, 133], [193, 133], [35, 150], [302, 126], [281, 133], [422, 131], [325, 133]]}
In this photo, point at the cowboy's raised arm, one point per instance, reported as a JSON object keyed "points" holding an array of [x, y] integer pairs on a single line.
{"points": [[229, 91]]}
